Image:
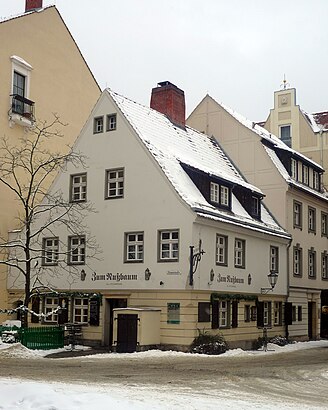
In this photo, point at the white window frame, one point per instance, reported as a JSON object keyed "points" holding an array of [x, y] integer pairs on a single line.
{"points": [[24, 68], [256, 206], [79, 187], [266, 313], [224, 195], [240, 253], [277, 312], [324, 224], [311, 219], [297, 214], [221, 250], [81, 310], [274, 259], [316, 180], [50, 251], [297, 261], [115, 183], [76, 250], [215, 192], [294, 169], [224, 313], [312, 264], [288, 143], [51, 304], [169, 245], [98, 124], [324, 265], [134, 246], [305, 174], [111, 122]]}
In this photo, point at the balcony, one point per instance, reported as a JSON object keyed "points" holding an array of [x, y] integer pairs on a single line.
{"points": [[21, 111]]}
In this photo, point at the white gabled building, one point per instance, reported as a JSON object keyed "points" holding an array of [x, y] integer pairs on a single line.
{"points": [[187, 243], [292, 184]]}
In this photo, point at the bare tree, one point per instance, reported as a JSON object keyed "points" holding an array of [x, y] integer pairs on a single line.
{"points": [[26, 171]]}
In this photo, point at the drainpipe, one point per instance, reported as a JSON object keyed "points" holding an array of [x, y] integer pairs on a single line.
{"points": [[288, 251]]}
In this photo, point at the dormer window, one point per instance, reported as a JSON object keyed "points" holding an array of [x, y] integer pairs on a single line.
{"points": [[293, 167], [219, 194], [316, 180], [305, 174], [255, 206]]}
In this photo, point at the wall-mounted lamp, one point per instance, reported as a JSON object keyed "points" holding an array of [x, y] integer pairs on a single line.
{"points": [[161, 283], [272, 277], [147, 274], [211, 275], [83, 275], [249, 279]]}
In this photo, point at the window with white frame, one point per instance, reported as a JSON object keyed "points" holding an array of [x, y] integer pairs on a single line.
{"points": [[297, 261], [224, 195], [311, 219], [305, 169], [294, 166], [76, 250], [111, 122], [50, 305], [255, 206], [79, 187], [239, 253], [81, 310], [134, 247], [169, 245], [21, 72], [324, 265], [221, 250], [297, 216], [224, 313], [324, 223], [274, 259], [50, 251], [98, 125], [316, 180], [312, 263], [266, 313], [215, 193], [277, 312], [114, 183]]}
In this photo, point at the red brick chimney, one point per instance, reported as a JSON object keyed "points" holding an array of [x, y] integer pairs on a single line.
{"points": [[31, 5], [168, 99]]}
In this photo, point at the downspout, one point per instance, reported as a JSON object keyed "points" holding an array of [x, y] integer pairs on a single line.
{"points": [[288, 281]]}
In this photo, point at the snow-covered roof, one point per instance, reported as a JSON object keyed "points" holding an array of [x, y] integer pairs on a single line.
{"points": [[172, 147], [275, 159], [267, 136], [317, 121]]}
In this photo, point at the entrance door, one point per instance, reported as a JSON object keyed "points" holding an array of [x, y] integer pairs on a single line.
{"points": [[113, 304], [310, 320], [126, 333]]}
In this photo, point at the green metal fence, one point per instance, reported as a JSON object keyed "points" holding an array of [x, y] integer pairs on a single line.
{"points": [[43, 338]]}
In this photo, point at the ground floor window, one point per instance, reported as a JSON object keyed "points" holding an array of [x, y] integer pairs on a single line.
{"points": [[81, 310], [204, 312], [50, 305], [277, 313]]}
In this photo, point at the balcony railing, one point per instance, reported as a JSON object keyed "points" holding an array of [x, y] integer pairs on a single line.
{"points": [[22, 106]]}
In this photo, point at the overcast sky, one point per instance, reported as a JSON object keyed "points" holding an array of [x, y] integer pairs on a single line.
{"points": [[236, 50]]}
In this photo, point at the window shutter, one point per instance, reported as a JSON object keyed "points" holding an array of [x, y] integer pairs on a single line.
{"points": [[288, 313], [234, 321], [204, 312], [94, 305], [269, 314], [215, 314], [36, 309], [63, 314], [260, 314]]}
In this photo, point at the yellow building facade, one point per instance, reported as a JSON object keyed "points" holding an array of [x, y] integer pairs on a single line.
{"points": [[42, 73]]}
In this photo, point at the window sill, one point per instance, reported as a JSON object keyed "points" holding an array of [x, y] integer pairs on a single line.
{"points": [[19, 119]]}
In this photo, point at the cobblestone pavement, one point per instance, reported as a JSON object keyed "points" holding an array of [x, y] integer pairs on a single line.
{"points": [[300, 376]]}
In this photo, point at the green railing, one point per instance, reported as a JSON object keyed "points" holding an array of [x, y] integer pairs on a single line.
{"points": [[43, 338]]}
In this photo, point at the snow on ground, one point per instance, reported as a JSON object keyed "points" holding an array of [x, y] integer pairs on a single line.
{"points": [[25, 395]]}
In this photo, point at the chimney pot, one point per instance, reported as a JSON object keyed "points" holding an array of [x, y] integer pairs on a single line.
{"points": [[31, 5], [168, 99]]}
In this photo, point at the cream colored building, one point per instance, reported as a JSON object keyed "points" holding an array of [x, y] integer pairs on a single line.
{"points": [[42, 72], [304, 132], [187, 243], [291, 183]]}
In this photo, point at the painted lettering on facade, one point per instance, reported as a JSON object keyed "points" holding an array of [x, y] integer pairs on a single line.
{"points": [[116, 277], [230, 279]]}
